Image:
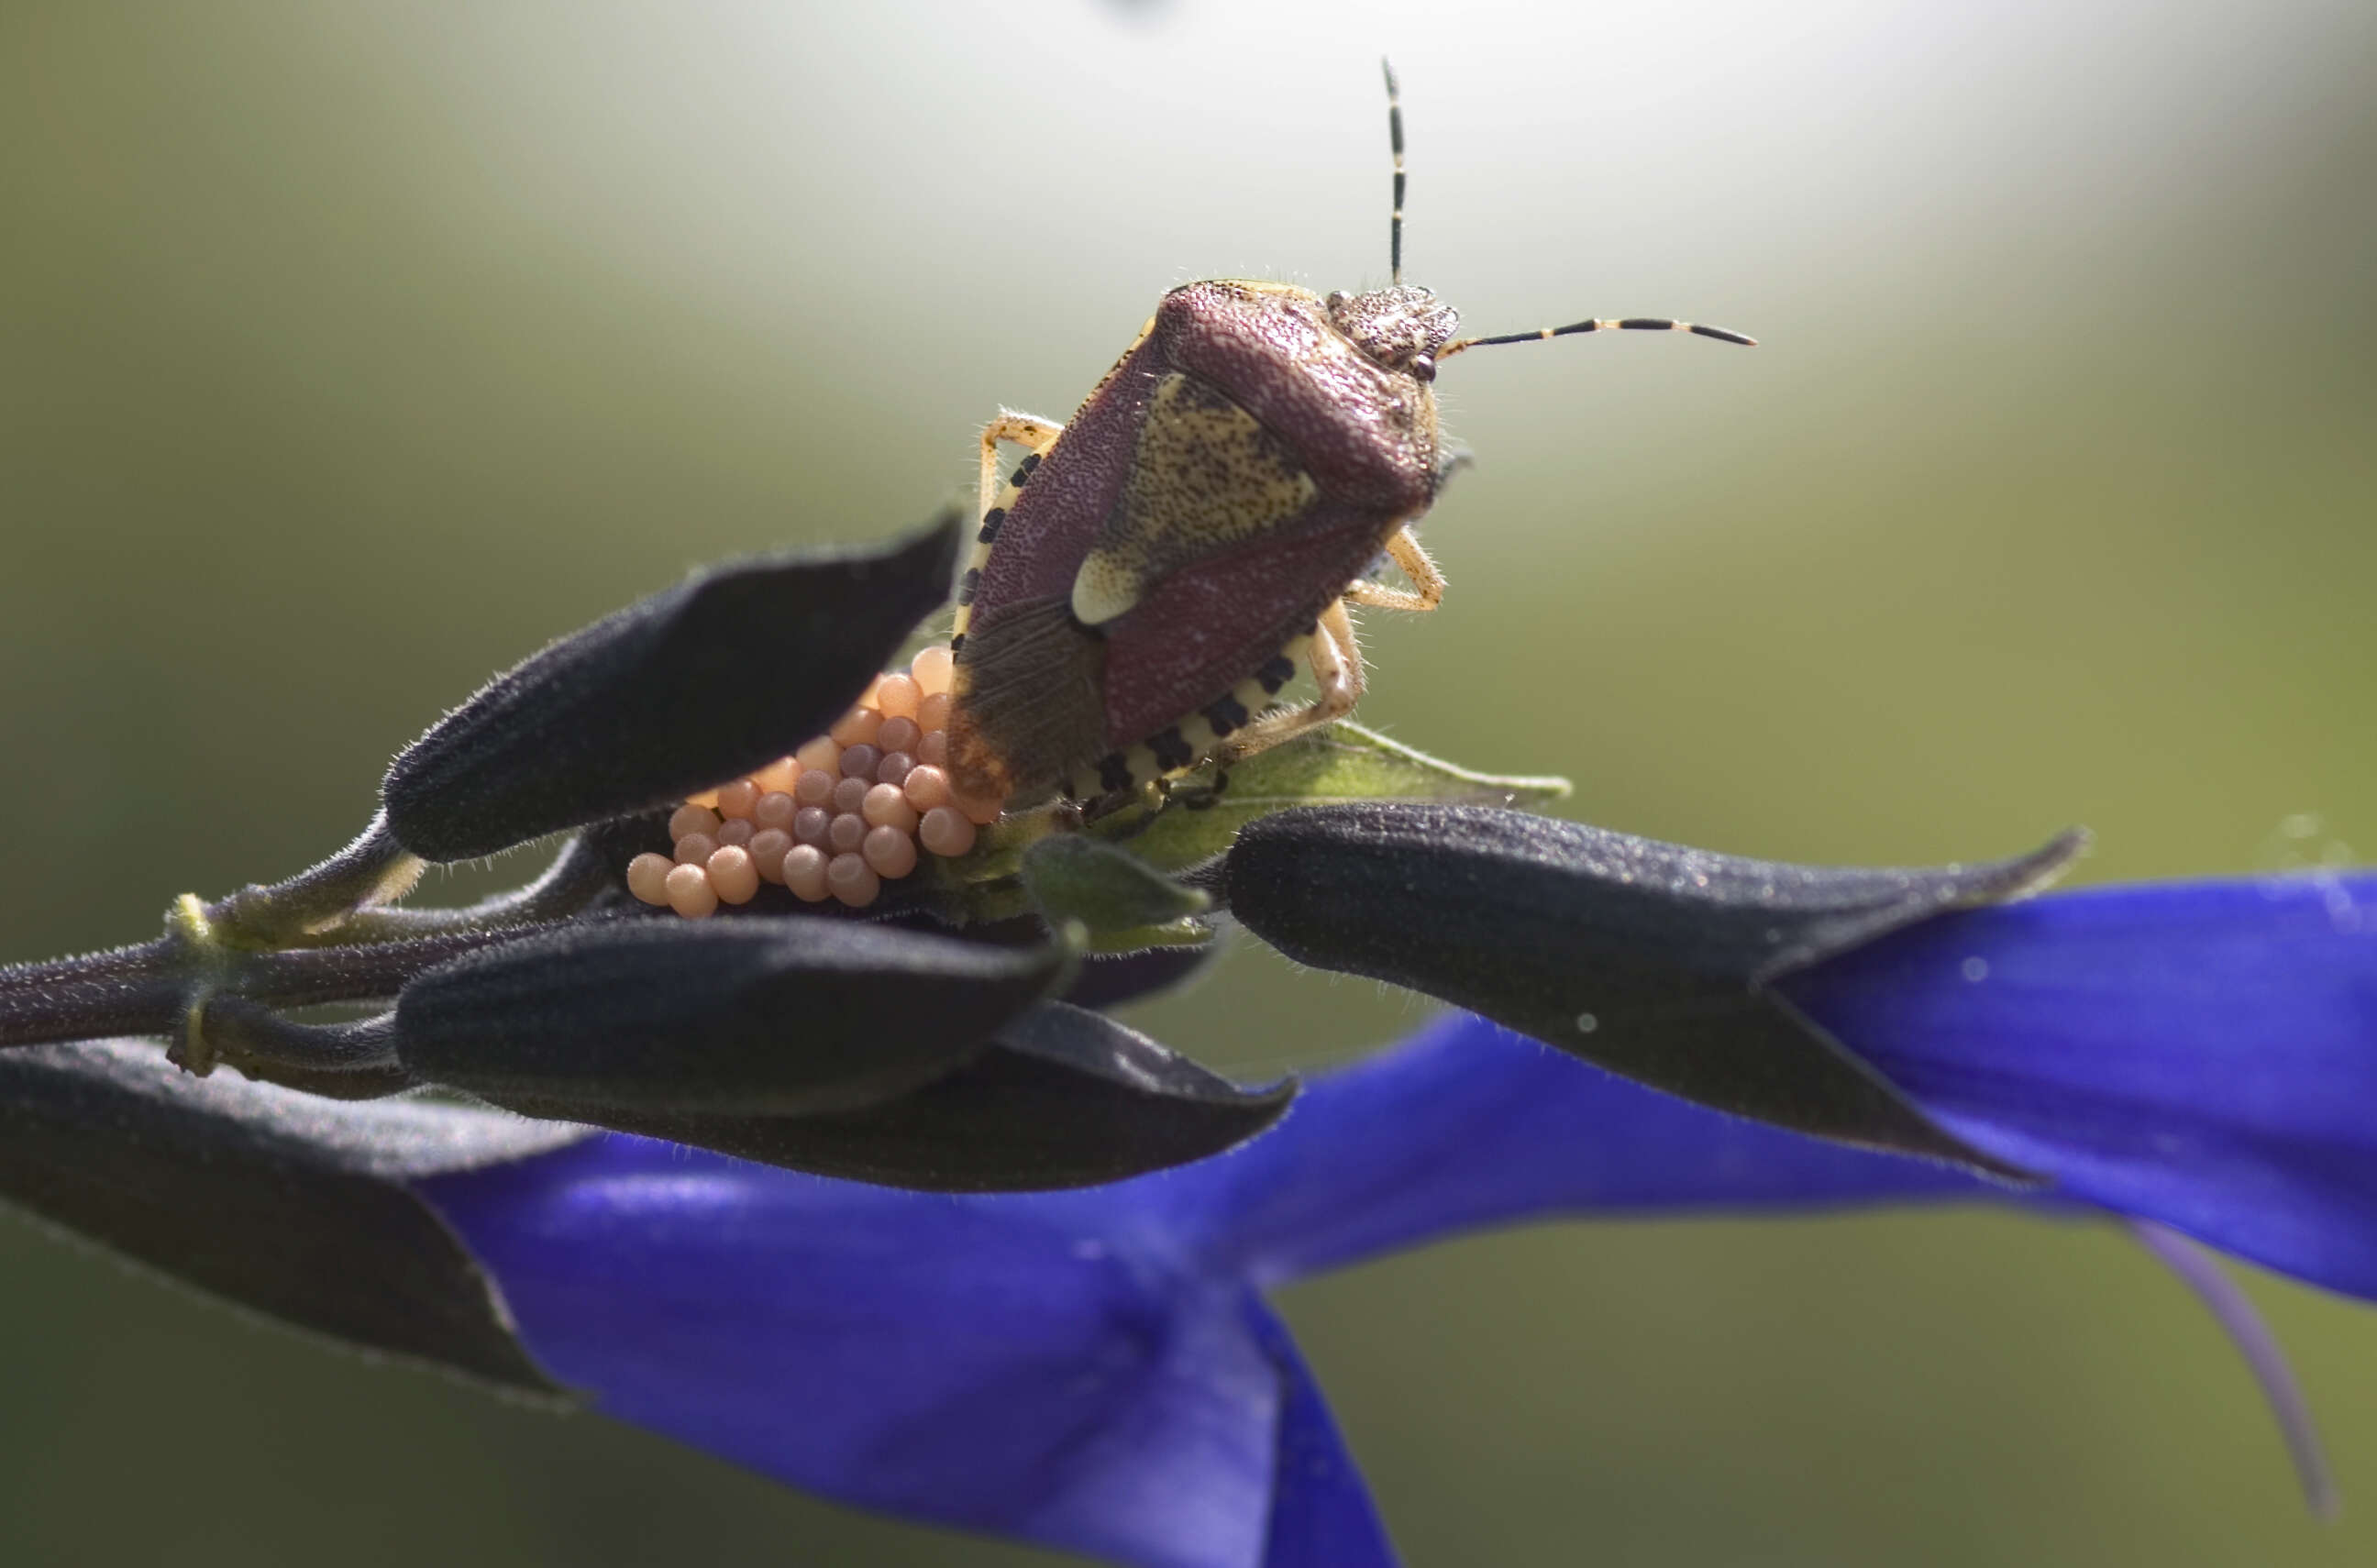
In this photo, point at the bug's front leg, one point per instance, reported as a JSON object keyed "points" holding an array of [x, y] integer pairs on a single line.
{"points": [[997, 493], [1426, 591], [1336, 660]]}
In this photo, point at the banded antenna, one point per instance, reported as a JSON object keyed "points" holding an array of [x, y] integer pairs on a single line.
{"points": [[1630, 324], [1395, 141], [1395, 264]]}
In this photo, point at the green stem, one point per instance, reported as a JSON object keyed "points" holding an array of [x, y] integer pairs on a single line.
{"points": [[579, 875], [316, 905]]}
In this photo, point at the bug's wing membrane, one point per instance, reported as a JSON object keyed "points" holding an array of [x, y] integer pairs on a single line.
{"points": [[1032, 702]]}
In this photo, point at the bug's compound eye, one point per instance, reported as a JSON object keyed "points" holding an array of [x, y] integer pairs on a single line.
{"points": [[1423, 367], [1335, 302]]}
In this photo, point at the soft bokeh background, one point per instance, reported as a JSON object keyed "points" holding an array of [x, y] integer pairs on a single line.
{"points": [[349, 353]]}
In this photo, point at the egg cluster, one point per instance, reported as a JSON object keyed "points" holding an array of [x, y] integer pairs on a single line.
{"points": [[837, 819]]}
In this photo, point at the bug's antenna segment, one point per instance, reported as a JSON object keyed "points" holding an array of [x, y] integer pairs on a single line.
{"points": [[1632, 324], [1395, 139]]}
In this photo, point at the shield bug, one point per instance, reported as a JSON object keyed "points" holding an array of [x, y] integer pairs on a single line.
{"points": [[1148, 578]]}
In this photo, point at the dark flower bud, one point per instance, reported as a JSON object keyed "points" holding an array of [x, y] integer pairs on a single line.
{"points": [[290, 1205], [708, 680], [1108, 980], [771, 1018], [1650, 960], [1060, 1097]]}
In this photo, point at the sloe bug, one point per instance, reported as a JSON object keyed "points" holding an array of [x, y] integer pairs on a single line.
{"points": [[1146, 580]]}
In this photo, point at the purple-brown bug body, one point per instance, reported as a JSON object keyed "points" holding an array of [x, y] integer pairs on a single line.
{"points": [[1242, 466]]}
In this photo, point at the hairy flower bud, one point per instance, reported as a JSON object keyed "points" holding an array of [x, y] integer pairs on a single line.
{"points": [[1650, 960], [702, 682]]}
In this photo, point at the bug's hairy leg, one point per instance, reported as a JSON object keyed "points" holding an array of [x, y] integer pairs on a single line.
{"points": [[1336, 660], [1025, 430], [999, 492], [1426, 591]]}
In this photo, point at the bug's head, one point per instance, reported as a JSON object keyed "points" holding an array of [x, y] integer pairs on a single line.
{"points": [[1405, 328], [1400, 328]]}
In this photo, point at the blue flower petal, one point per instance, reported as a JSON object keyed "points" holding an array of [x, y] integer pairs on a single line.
{"points": [[1090, 1369], [2200, 1054], [1468, 1125], [1321, 1516], [1033, 1368]]}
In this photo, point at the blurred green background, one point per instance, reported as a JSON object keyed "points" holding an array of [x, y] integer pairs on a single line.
{"points": [[349, 353]]}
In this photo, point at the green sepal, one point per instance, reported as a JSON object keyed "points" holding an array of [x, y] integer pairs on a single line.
{"points": [[1339, 763], [1118, 903], [1187, 932]]}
